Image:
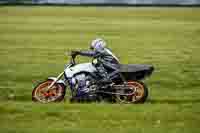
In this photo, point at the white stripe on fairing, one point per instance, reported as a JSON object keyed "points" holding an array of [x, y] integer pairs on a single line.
{"points": [[107, 50]]}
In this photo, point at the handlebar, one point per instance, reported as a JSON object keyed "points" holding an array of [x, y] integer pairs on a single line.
{"points": [[72, 60]]}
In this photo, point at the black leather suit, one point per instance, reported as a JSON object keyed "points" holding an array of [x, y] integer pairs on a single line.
{"points": [[107, 64]]}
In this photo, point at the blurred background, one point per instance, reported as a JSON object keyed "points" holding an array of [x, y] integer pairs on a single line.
{"points": [[109, 2]]}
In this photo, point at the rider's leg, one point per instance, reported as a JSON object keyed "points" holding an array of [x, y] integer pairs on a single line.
{"points": [[114, 70], [103, 73]]}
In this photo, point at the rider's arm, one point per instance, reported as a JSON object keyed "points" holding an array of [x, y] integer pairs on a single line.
{"points": [[88, 53]]}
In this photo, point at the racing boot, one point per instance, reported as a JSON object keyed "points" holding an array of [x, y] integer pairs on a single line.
{"points": [[105, 84]]}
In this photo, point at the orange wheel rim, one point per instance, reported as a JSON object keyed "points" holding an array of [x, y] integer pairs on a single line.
{"points": [[44, 95], [139, 91]]}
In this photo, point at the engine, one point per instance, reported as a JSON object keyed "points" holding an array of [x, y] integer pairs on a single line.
{"points": [[82, 84]]}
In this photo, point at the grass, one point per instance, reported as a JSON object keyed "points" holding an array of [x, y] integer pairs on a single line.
{"points": [[32, 45], [28, 117]]}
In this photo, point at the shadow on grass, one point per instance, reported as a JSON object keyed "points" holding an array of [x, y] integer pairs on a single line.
{"points": [[173, 101], [151, 101]]}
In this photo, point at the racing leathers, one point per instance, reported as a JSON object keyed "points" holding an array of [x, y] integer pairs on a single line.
{"points": [[104, 61]]}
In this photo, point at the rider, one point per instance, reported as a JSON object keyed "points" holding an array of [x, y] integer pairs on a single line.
{"points": [[103, 60]]}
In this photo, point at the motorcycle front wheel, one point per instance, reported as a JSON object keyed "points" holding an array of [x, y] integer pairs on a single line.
{"points": [[42, 94]]}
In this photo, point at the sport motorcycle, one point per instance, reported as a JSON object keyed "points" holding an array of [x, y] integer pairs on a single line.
{"points": [[128, 87]]}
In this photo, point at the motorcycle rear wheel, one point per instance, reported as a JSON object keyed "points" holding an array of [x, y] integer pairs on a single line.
{"points": [[55, 94], [140, 93]]}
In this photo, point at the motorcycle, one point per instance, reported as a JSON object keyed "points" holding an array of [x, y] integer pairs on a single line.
{"points": [[128, 87]]}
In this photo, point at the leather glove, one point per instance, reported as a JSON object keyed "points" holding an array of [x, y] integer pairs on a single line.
{"points": [[74, 53]]}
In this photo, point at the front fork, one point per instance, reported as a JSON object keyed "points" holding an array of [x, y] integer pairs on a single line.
{"points": [[54, 81]]}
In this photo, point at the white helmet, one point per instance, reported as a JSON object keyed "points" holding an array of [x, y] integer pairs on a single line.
{"points": [[98, 44]]}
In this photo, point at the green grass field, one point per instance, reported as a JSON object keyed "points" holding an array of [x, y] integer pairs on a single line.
{"points": [[33, 41]]}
